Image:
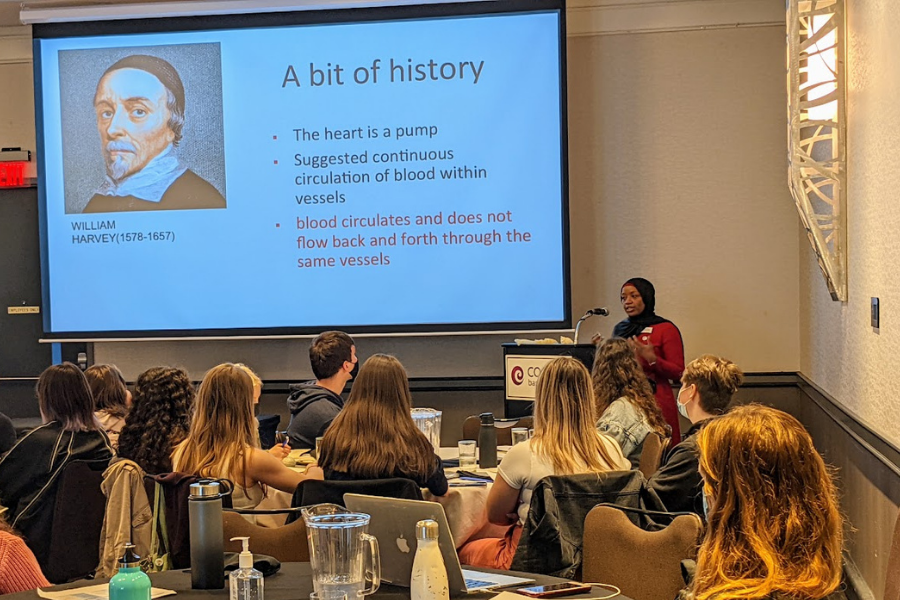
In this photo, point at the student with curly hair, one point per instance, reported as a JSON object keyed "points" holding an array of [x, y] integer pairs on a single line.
{"points": [[159, 418], [773, 527], [111, 399], [625, 402]]}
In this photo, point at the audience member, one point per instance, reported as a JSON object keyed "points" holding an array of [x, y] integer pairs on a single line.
{"points": [[111, 399], [656, 342], [707, 386], [278, 450], [773, 528], [30, 470], [374, 436], [315, 404], [223, 443], [159, 418], [19, 569], [7, 434], [565, 442], [625, 402]]}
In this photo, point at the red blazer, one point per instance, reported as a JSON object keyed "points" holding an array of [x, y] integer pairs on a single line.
{"points": [[669, 366]]}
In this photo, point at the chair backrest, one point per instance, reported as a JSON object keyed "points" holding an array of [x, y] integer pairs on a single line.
{"points": [[312, 491], [77, 520], [268, 426], [471, 427], [176, 488], [892, 582], [287, 543], [645, 565], [553, 532], [651, 453]]}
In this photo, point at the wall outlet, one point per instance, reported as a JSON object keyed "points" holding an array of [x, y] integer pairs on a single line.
{"points": [[876, 313]]}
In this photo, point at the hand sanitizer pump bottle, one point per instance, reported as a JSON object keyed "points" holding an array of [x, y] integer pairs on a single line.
{"points": [[246, 582]]}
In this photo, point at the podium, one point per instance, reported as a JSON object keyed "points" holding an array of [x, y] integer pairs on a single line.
{"points": [[522, 364]]}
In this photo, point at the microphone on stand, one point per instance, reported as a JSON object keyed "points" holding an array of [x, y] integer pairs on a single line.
{"points": [[603, 312]]}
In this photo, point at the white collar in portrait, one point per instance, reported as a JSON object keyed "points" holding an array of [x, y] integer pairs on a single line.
{"points": [[151, 182]]}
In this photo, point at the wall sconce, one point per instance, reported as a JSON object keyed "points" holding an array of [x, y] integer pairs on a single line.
{"points": [[817, 126]]}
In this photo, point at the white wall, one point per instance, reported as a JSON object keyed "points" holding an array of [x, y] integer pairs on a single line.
{"points": [[840, 351], [678, 174]]}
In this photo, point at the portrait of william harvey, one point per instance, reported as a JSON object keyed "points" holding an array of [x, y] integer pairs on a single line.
{"points": [[153, 134]]}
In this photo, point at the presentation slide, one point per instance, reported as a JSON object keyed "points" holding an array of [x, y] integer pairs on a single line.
{"points": [[380, 174]]}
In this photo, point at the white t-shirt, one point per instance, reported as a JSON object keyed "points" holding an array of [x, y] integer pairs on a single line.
{"points": [[521, 469]]}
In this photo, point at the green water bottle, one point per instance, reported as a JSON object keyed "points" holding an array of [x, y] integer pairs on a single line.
{"points": [[130, 583]]}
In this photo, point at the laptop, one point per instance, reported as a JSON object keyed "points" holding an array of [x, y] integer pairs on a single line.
{"points": [[393, 523]]}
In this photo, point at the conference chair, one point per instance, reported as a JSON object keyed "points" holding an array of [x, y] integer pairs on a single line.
{"points": [[78, 511], [651, 453], [553, 532], [472, 426], [286, 543], [892, 583], [312, 491], [645, 565]]}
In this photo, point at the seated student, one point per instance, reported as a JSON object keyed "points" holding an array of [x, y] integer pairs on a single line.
{"points": [[707, 386], [565, 442], [222, 442], [626, 404], [111, 399], [7, 434], [374, 436], [19, 569], [773, 530], [278, 450], [315, 404], [159, 419], [30, 469]]}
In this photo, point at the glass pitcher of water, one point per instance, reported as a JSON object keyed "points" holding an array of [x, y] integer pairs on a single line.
{"points": [[343, 556], [428, 421]]}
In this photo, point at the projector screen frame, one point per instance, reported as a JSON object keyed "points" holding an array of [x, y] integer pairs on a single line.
{"points": [[52, 30]]}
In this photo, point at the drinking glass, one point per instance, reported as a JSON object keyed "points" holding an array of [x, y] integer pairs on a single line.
{"points": [[519, 435], [318, 446], [466, 453]]}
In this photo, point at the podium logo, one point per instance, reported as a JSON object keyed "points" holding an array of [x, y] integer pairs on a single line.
{"points": [[518, 375]]}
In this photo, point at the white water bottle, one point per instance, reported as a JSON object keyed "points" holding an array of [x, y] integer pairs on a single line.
{"points": [[429, 574]]}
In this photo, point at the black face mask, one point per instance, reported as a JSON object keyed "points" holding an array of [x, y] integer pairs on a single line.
{"points": [[355, 371]]}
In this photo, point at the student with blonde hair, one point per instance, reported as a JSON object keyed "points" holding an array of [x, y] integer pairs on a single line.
{"points": [[626, 406], [565, 442], [707, 387], [222, 443], [773, 526], [374, 436]]}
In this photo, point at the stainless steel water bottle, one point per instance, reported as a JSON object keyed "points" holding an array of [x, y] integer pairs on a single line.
{"points": [[207, 543], [487, 442]]}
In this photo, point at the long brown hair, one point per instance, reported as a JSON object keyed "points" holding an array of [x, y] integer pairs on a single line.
{"points": [[108, 388], [222, 427], [374, 435], [64, 395], [617, 374], [565, 420], [774, 525]]}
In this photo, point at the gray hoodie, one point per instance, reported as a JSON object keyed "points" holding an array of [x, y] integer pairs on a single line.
{"points": [[313, 408]]}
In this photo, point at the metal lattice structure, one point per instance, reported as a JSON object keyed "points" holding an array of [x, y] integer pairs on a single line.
{"points": [[817, 102]]}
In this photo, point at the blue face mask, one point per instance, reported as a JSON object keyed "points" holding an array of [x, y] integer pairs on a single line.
{"points": [[682, 408]]}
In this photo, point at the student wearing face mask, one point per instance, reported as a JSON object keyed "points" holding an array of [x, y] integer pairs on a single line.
{"points": [[707, 387]]}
